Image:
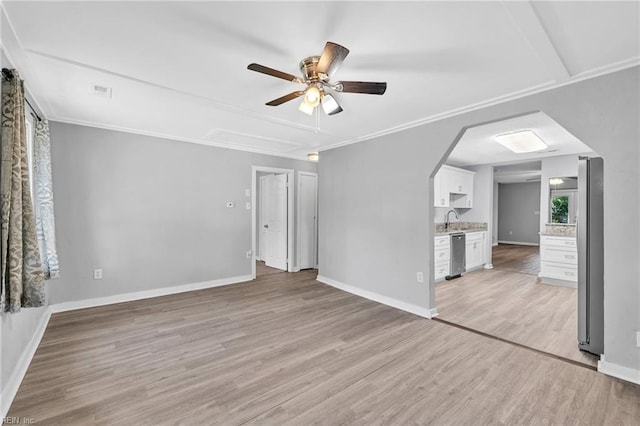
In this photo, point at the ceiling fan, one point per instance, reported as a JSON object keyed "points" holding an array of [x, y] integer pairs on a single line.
{"points": [[317, 71]]}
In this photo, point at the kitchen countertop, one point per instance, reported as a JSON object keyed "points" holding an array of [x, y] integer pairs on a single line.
{"points": [[439, 230], [454, 231]]}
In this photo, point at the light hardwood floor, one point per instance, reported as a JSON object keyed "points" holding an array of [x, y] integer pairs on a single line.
{"points": [[509, 302], [516, 258], [286, 349]]}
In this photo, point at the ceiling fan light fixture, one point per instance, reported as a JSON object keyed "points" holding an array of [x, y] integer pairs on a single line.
{"points": [[521, 142], [330, 105], [312, 95], [306, 107]]}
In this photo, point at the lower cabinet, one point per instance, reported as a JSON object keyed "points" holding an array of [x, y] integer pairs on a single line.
{"points": [[558, 260], [441, 256], [474, 253]]}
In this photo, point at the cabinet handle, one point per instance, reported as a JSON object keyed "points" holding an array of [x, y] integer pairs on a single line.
{"points": [[569, 256], [460, 188], [570, 274]]}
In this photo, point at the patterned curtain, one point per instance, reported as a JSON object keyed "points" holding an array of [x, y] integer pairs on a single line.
{"points": [[43, 193], [22, 276]]}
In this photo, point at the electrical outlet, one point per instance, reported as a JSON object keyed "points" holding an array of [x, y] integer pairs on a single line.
{"points": [[97, 274], [420, 277], [249, 254]]}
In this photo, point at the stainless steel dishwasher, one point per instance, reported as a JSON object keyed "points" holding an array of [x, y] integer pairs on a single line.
{"points": [[457, 255]]}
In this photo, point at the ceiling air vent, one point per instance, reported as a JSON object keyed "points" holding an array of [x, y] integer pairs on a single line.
{"points": [[100, 91]]}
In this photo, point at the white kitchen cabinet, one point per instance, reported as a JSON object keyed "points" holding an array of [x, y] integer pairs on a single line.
{"points": [[558, 260], [441, 188], [475, 247], [453, 187], [460, 181], [441, 256]]}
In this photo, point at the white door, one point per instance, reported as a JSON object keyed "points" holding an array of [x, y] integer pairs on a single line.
{"points": [[307, 221], [262, 231], [275, 221]]}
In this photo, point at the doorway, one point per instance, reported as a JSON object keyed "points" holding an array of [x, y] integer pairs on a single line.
{"points": [[307, 221], [511, 297], [272, 213]]}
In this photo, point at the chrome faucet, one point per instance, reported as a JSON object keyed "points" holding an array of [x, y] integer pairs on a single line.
{"points": [[447, 221]]}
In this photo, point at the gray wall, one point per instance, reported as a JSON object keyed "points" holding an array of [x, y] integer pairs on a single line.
{"points": [[150, 212], [517, 221], [376, 228]]}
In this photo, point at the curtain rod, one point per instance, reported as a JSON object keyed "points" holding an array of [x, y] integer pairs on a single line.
{"points": [[8, 74]]}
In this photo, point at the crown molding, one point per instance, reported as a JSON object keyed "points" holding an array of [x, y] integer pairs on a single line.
{"points": [[175, 138], [598, 72]]}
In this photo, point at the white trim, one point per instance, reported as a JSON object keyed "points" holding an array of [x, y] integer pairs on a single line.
{"points": [[11, 387], [298, 206], [385, 300], [619, 371], [556, 281], [175, 138], [290, 214], [608, 69], [520, 243], [146, 294]]}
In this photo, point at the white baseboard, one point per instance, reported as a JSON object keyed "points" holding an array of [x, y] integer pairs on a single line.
{"points": [[128, 297], [11, 387], [488, 266], [519, 243], [555, 281], [385, 300], [619, 371]]}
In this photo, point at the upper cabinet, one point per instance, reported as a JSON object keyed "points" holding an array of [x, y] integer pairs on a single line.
{"points": [[441, 188], [453, 187]]}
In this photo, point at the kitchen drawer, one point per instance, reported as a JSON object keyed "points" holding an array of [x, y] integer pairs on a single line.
{"points": [[442, 254], [442, 241], [441, 270], [556, 254], [559, 271], [546, 240], [471, 237]]}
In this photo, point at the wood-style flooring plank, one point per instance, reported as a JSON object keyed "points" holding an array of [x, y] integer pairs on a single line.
{"points": [[514, 305], [286, 349]]}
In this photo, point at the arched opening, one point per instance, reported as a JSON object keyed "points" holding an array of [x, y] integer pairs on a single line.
{"points": [[507, 248]]}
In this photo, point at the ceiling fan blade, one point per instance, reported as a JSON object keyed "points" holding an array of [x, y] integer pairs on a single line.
{"points": [[331, 58], [368, 87], [286, 98], [273, 72]]}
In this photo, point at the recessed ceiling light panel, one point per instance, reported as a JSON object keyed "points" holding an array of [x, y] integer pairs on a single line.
{"points": [[521, 142]]}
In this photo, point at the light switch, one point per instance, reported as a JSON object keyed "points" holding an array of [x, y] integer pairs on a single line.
{"points": [[247, 205], [247, 193]]}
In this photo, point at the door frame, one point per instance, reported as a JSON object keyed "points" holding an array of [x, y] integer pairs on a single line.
{"points": [[290, 212], [298, 219]]}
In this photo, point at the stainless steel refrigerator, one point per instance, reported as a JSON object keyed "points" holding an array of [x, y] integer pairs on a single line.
{"points": [[590, 256]]}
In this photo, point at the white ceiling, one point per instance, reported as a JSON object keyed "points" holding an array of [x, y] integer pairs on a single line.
{"points": [[178, 69], [478, 146]]}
